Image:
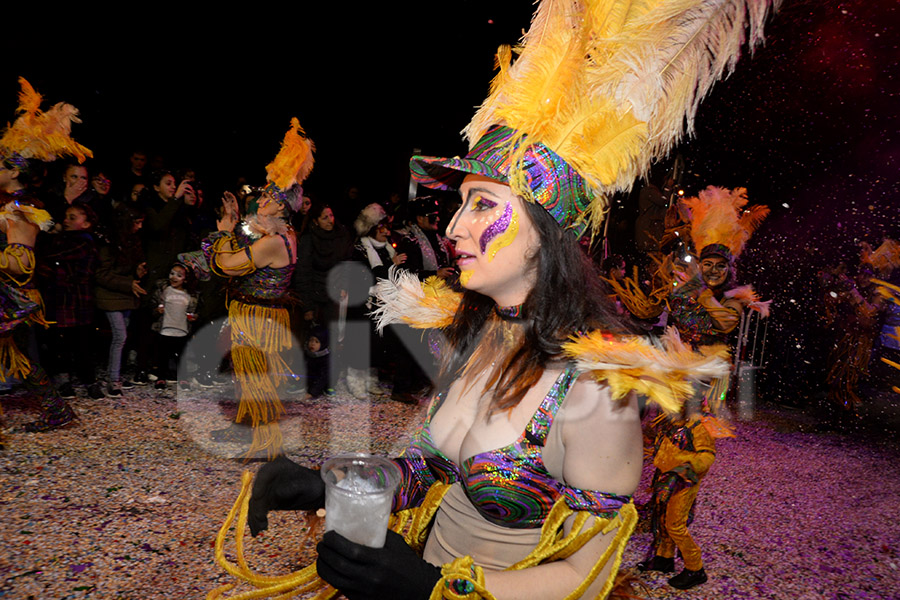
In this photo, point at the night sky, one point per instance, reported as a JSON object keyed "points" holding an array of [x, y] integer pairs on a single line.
{"points": [[808, 124]]}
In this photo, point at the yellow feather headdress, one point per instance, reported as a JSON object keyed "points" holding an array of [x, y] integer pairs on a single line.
{"points": [[294, 160], [608, 86], [720, 217], [41, 135]]}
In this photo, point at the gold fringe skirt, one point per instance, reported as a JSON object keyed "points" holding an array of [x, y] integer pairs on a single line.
{"points": [[258, 336]]}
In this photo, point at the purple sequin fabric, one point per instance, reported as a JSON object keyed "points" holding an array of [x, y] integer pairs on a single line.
{"points": [[509, 486], [266, 283]]}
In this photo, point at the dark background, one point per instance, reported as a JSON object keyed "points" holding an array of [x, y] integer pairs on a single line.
{"points": [[808, 124]]}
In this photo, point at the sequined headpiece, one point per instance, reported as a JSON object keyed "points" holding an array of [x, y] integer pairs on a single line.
{"points": [[547, 178]]}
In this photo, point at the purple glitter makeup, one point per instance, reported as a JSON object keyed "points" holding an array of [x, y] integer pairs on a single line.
{"points": [[496, 228]]}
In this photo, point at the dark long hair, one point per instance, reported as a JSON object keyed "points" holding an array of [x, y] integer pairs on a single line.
{"points": [[567, 298]]}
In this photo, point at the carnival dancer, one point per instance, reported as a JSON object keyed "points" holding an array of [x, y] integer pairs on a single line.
{"points": [[704, 309], [531, 448], [35, 136], [260, 259]]}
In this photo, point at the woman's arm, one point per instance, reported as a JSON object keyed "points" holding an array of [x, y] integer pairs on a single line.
{"points": [[262, 253], [725, 315]]}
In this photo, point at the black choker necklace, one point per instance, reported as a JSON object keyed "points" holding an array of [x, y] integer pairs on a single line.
{"points": [[510, 313]]}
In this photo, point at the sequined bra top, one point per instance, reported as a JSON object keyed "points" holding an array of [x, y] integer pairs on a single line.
{"points": [[510, 486], [267, 283]]}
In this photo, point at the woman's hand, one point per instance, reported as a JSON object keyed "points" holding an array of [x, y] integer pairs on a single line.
{"points": [[75, 189], [231, 204], [227, 222], [230, 215], [363, 573], [283, 485], [137, 290], [185, 190], [398, 259], [141, 270]]}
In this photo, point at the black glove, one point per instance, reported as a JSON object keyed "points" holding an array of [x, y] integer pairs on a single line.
{"points": [[283, 485], [363, 573]]}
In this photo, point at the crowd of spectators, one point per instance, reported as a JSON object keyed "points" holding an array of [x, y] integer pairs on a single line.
{"points": [[123, 307]]}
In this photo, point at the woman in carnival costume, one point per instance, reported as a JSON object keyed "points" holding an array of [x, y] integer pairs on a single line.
{"points": [[705, 308], [35, 136], [259, 257], [519, 482]]}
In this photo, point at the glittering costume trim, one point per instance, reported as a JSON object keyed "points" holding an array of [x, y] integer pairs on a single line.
{"points": [[220, 243], [461, 579]]}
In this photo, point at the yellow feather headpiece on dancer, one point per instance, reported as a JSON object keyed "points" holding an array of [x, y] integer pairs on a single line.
{"points": [[37, 135], [291, 166], [599, 89], [721, 222]]}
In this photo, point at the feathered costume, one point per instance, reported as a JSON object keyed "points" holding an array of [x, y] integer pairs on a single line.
{"points": [[684, 448], [257, 307], [855, 314], [36, 135], [599, 89]]}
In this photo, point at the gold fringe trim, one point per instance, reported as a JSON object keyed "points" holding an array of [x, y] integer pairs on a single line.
{"points": [[553, 545], [258, 335], [13, 364]]}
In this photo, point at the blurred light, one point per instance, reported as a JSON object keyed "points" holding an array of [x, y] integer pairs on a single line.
{"points": [[687, 258], [681, 192]]}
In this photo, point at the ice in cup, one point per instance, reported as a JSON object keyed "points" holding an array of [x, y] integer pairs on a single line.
{"points": [[359, 489]]}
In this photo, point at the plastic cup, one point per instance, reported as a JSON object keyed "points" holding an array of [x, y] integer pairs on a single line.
{"points": [[359, 489]]}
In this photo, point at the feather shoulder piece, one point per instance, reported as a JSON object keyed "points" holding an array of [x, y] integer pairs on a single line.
{"points": [[41, 135], [402, 298], [661, 370], [746, 295]]}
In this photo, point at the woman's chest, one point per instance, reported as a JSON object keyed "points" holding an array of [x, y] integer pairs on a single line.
{"points": [[462, 426]]}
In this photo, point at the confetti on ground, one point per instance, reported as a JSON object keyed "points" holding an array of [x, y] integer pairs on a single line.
{"points": [[127, 502]]}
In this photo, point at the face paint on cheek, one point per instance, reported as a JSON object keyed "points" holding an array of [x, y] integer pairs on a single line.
{"points": [[500, 233], [464, 277]]}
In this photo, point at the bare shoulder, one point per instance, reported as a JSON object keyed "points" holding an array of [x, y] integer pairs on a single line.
{"points": [[601, 437], [592, 401]]}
